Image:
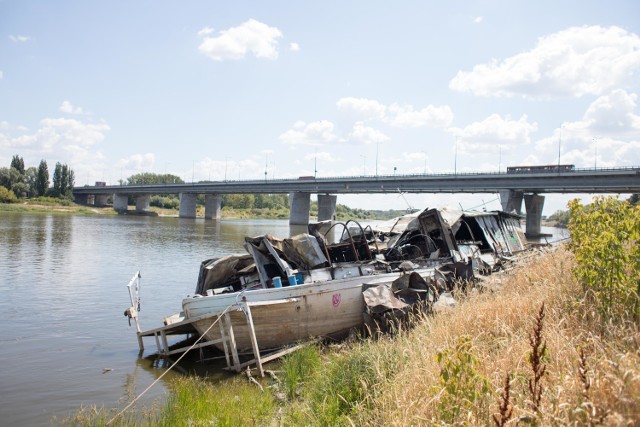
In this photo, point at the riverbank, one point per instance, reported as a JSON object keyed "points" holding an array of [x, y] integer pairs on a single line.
{"points": [[449, 368], [73, 208], [226, 213]]}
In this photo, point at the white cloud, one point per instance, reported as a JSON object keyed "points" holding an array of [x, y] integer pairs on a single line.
{"points": [[68, 108], [431, 116], [478, 19], [235, 43], [362, 134], [613, 114], [360, 109], [1, 74], [68, 141], [137, 163], [206, 31], [324, 156], [294, 47], [314, 133], [353, 110], [574, 62], [19, 39], [608, 130], [494, 132]]}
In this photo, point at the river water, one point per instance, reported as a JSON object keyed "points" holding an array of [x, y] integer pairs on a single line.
{"points": [[65, 342]]}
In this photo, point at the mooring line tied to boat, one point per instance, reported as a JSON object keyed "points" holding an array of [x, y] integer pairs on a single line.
{"points": [[172, 365]]}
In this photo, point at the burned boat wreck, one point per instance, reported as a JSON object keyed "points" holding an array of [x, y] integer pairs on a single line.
{"points": [[283, 291]]}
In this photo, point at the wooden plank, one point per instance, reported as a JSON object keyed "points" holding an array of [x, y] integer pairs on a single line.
{"points": [[199, 345], [223, 335], [254, 341], [272, 356], [186, 322], [232, 341]]}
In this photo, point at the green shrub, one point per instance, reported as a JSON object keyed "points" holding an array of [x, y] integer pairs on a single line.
{"points": [[605, 239], [50, 201], [462, 388], [7, 196]]}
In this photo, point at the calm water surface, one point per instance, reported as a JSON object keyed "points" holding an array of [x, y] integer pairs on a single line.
{"points": [[63, 293]]}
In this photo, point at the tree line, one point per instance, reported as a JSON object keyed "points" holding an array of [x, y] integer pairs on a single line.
{"points": [[18, 182]]}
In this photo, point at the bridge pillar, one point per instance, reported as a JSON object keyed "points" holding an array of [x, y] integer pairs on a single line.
{"points": [[100, 200], [299, 210], [212, 203], [511, 200], [187, 205], [327, 207], [120, 202], [143, 202], [533, 203]]}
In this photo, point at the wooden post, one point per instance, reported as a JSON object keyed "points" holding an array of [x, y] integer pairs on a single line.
{"points": [[232, 342], [157, 342], [223, 335], [252, 335], [165, 344]]}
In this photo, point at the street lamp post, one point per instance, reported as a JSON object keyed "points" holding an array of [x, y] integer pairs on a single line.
{"points": [[559, 146]]}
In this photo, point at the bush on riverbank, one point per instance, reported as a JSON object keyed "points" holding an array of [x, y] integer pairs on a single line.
{"points": [[7, 196]]}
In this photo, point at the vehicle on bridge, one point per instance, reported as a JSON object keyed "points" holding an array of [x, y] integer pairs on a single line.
{"points": [[541, 168]]}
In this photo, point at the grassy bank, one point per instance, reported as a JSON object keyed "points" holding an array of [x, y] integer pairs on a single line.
{"points": [[564, 365], [55, 208]]}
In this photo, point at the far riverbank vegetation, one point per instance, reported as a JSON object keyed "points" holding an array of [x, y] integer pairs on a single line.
{"points": [[552, 341]]}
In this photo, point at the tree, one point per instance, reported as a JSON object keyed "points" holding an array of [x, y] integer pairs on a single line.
{"points": [[10, 177], [63, 181], [152, 178], [42, 180], [31, 179], [18, 163], [634, 199]]}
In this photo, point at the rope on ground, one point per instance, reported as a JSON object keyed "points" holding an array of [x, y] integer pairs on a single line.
{"points": [[170, 367]]}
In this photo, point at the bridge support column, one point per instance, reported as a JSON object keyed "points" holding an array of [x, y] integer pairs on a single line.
{"points": [[511, 200], [299, 211], [187, 205], [212, 203], [120, 202], [143, 202], [533, 203], [327, 207], [100, 200]]}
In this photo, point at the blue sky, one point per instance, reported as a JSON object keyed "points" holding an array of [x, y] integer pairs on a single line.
{"points": [[208, 90]]}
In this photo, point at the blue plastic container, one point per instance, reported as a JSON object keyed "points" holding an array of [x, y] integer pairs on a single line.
{"points": [[277, 282], [292, 280]]}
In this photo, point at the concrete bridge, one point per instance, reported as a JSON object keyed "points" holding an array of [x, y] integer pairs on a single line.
{"points": [[512, 187]]}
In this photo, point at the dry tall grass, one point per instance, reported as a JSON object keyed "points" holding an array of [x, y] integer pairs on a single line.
{"points": [[602, 387]]}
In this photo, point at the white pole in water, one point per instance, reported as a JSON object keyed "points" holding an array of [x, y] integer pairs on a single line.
{"points": [[134, 304]]}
